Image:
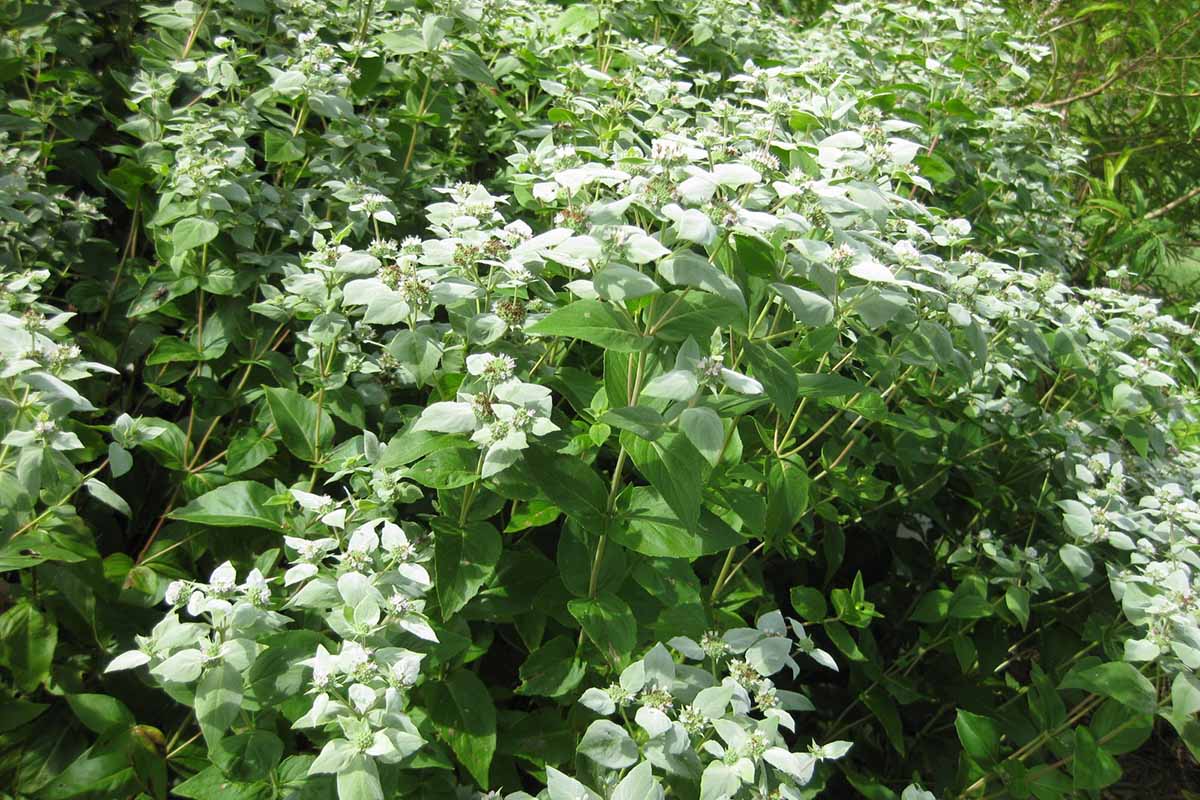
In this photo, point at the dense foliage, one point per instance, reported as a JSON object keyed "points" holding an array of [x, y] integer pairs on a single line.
{"points": [[1125, 76], [615, 400]]}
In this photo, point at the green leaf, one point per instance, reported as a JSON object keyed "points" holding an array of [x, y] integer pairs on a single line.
{"points": [[248, 756], [1017, 600], [218, 700], [809, 308], [702, 426], [577, 20], [463, 560], [466, 64], [609, 623], [552, 670], [306, 428], [649, 526], [234, 505], [885, 710], [609, 745], [809, 603], [282, 148], [100, 713], [595, 322], [16, 713], [675, 468], [1092, 767], [933, 607], [568, 483], [822, 385], [840, 636], [787, 497], [1119, 680], [689, 269], [774, 372], [100, 490], [979, 736], [642, 420], [465, 718], [193, 232], [27, 642]]}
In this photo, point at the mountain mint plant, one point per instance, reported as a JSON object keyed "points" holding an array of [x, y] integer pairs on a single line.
{"points": [[596, 401]]}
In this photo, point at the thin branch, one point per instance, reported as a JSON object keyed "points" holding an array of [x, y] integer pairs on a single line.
{"points": [[1174, 204]]}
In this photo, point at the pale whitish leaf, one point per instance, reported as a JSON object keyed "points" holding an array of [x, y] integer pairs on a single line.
{"points": [[642, 248], [447, 417], [599, 701], [128, 660], [609, 745], [735, 175], [638, 784], [695, 226], [652, 721], [873, 271], [564, 787], [359, 780]]}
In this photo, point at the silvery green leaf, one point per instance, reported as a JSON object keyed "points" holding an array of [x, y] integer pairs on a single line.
{"points": [[719, 782], [687, 647], [633, 677], [641, 249], [619, 283], [704, 430], [697, 190], [873, 271], [354, 587], [597, 700], [659, 666], [677, 384], [638, 784], [609, 745], [104, 494], [358, 263], [713, 701], [694, 225], [1077, 560], [334, 757], [1140, 650], [794, 701], [808, 307], [564, 787], [769, 654], [119, 460], [688, 269], [912, 792], [181, 667], [835, 750], [55, 392]]}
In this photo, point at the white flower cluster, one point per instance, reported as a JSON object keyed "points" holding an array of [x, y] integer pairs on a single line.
{"points": [[723, 720]]}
